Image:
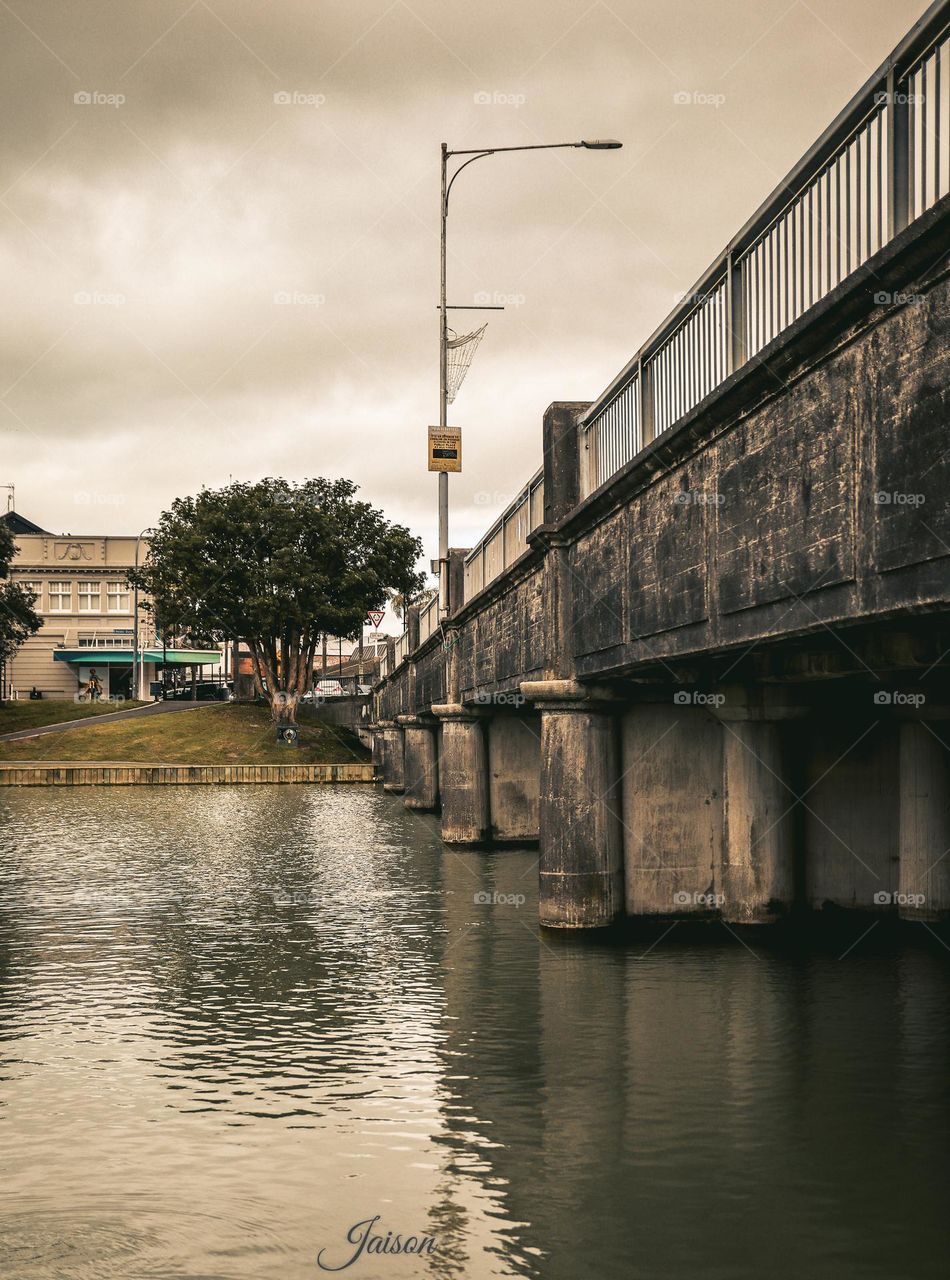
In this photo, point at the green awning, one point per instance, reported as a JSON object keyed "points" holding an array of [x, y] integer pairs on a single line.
{"points": [[102, 657]]}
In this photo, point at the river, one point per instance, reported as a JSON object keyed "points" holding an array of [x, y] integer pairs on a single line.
{"points": [[238, 1022]]}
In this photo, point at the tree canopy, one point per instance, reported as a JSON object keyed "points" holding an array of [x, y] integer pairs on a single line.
{"points": [[18, 619], [276, 565]]}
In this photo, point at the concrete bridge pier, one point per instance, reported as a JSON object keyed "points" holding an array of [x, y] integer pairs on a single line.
{"points": [[514, 777], [924, 881], [581, 878], [671, 769], [463, 775], [757, 873], [391, 755], [421, 774]]}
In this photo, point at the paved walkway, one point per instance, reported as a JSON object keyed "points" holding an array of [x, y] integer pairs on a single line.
{"points": [[154, 709]]}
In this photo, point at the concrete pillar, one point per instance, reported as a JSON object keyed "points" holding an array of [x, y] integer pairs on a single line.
{"points": [[757, 881], [463, 775], [671, 768], [421, 777], [851, 812], [514, 777], [581, 880], [924, 883], [392, 756]]}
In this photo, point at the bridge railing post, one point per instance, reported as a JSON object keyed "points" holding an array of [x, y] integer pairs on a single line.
{"points": [[899, 144]]}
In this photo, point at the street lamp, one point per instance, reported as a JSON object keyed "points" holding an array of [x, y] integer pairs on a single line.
{"points": [[137, 665], [478, 153]]}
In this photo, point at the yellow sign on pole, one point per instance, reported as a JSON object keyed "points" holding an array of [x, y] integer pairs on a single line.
{"points": [[445, 448]]}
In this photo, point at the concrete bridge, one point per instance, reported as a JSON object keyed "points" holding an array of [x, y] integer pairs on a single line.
{"points": [[703, 658]]}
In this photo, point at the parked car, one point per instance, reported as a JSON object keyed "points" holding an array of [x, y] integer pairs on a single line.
{"points": [[205, 691]]}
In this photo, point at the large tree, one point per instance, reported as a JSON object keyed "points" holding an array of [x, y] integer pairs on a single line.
{"points": [[18, 619], [276, 565]]}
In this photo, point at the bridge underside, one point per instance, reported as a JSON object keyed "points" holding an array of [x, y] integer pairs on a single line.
{"points": [[720, 685]]}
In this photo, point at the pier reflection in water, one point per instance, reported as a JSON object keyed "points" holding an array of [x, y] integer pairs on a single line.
{"points": [[235, 1022]]}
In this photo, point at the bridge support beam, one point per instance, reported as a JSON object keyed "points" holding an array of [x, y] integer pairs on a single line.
{"points": [[421, 778], [671, 758], [757, 876], [514, 777], [391, 755], [463, 776], [924, 883], [581, 879]]}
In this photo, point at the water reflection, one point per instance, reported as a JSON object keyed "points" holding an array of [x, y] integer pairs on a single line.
{"points": [[237, 1021]]}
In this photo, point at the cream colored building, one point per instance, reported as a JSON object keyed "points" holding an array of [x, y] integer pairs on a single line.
{"points": [[87, 606]]}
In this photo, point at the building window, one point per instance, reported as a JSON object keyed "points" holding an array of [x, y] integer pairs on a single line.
{"points": [[118, 599], [60, 597], [90, 597], [36, 589]]}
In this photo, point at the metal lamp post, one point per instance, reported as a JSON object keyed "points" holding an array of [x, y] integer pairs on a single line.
{"points": [[591, 144], [137, 665]]}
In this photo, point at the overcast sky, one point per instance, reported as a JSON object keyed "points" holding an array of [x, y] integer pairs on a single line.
{"points": [[151, 236]]}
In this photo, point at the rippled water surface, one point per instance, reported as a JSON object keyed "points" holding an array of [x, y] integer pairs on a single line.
{"points": [[236, 1022]]}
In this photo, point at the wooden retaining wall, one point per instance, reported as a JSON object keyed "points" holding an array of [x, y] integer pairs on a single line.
{"points": [[127, 775]]}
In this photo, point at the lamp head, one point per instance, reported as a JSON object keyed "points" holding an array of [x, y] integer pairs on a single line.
{"points": [[601, 144]]}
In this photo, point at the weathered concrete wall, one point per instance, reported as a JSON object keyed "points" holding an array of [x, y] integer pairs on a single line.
{"points": [[808, 493], [514, 775], [671, 771], [850, 810]]}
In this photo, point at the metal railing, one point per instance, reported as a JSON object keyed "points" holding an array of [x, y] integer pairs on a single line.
{"points": [[428, 619], [883, 162], [507, 538]]}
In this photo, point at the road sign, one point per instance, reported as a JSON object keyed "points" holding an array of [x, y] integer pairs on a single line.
{"points": [[445, 448], [376, 616]]}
